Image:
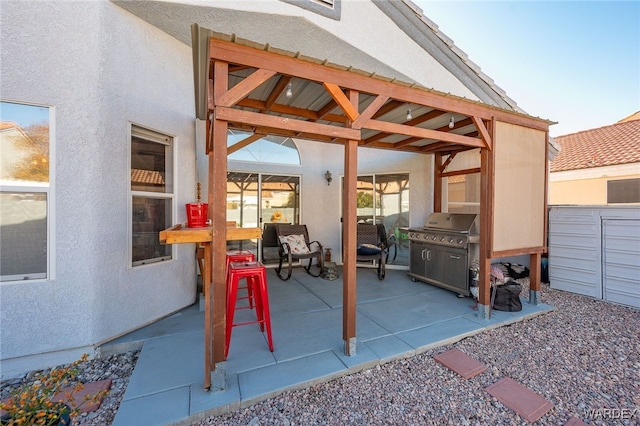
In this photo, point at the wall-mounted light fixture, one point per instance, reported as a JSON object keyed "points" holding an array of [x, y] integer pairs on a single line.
{"points": [[289, 92], [328, 177]]}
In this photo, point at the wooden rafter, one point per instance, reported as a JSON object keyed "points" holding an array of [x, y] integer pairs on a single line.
{"points": [[257, 119], [341, 99], [413, 122], [461, 172], [242, 89], [369, 111], [484, 133], [280, 87]]}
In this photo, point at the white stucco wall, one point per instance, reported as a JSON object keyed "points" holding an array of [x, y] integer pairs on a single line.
{"points": [[100, 68], [363, 38]]}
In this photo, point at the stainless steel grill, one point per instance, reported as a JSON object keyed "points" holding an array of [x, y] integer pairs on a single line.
{"points": [[442, 251]]}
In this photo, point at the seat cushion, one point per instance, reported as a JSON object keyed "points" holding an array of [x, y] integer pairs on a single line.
{"points": [[368, 250], [296, 243]]}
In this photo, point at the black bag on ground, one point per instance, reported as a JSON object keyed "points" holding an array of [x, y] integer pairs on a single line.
{"points": [[507, 297]]}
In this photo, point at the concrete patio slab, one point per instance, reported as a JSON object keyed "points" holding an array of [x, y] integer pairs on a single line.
{"points": [[395, 318]]}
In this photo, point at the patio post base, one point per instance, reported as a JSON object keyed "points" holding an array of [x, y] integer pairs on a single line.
{"points": [[350, 346], [534, 297], [219, 377], [484, 311]]}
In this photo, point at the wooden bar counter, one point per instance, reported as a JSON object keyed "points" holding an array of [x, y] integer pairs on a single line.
{"points": [[179, 234], [203, 238]]}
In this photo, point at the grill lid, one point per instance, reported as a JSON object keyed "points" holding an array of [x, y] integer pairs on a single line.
{"points": [[453, 222]]}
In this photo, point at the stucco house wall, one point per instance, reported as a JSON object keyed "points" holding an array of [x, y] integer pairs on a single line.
{"points": [[587, 186], [100, 68]]}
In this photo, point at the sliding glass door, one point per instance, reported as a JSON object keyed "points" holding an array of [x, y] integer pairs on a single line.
{"points": [[384, 199], [262, 200]]}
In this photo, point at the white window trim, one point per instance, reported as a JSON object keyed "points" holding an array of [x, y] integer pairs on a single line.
{"points": [[50, 275], [131, 194]]}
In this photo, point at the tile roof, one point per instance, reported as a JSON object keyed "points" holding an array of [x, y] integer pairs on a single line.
{"points": [[611, 145], [7, 125], [152, 177]]}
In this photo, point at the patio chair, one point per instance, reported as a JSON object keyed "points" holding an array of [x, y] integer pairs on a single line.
{"points": [[270, 243], [389, 241], [294, 245], [370, 247]]}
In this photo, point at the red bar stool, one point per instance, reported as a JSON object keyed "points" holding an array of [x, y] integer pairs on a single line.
{"points": [[256, 275], [241, 256]]}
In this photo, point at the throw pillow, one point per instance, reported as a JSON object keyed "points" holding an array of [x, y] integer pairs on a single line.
{"points": [[368, 249], [297, 244]]}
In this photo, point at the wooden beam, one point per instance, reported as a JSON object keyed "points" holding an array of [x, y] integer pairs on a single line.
{"points": [[351, 111], [244, 142], [461, 172], [280, 87], [373, 107], [257, 119], [244, 55], [423, 133], [482, 130], [326, 109], [415, 121], [436, 146], [437, 182], [277, 108], [447, 162], [242, 89], [388, 107]]}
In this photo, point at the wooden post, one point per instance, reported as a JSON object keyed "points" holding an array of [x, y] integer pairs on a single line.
{"points": [[350, 223], [437, 182], [215, 313], [534, 278], [486, 229]]}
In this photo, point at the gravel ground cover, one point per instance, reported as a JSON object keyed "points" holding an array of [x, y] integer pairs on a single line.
{"points": [[584, 357]]}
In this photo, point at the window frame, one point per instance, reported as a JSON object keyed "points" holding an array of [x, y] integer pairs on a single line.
{"points": [[170, 142], [49, 190]]}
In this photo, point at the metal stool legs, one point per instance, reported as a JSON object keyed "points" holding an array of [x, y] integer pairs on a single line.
{"points": [[256, 276]]}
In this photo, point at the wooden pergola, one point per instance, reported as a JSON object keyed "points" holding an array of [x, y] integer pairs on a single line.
{"points": [[247, 88]]}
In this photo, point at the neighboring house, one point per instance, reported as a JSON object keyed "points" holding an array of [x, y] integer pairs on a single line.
{"points": [[112, 85], [598, 166]]}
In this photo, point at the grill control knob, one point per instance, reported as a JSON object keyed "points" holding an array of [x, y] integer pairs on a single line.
{"points": [[460, 240], [451, 239], [433, 238], [441, 238]]}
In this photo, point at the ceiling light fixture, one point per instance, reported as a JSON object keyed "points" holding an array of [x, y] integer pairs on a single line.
{"points": [[409, 115], [452, 122], [289, 92]]}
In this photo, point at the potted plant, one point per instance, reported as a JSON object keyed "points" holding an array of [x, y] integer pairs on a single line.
{"points": [[48, 399]]}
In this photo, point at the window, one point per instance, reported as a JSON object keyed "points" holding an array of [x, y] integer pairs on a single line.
{"points": [[151, 194], [623, 191], [384, 198], [463, 190], [257, 199], [25, 143], [268, 149]]}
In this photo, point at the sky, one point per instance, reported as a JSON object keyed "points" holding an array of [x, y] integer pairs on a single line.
{"points": [[576, 63]]}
